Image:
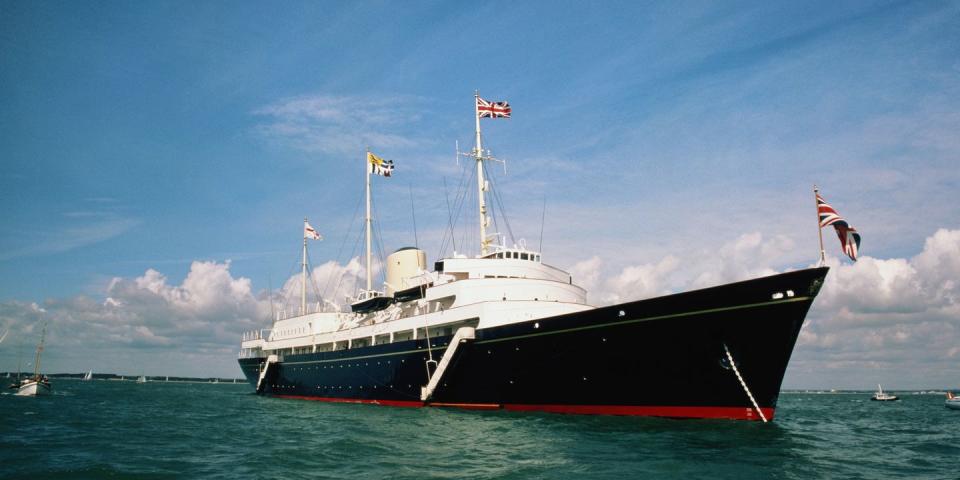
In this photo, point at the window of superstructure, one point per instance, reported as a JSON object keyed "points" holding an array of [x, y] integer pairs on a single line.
{"points": [[523, 256]]}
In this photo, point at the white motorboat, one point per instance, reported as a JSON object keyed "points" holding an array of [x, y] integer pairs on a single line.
{"points": [[880, 396]]}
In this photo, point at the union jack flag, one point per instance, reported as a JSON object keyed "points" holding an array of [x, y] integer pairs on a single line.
{"points": [[487, 109], [849, 238]]}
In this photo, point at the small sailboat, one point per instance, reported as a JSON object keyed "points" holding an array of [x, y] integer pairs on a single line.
{"points": [[953, 401], [142, 379], [88, 376], [880, 396], [38, 384]]}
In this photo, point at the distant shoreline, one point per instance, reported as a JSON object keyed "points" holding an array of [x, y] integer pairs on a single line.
{"points": [[133, 378]]}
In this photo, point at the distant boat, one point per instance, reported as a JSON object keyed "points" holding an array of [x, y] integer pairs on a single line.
{"points": [[167, 379], [883, 397], [38, 384], [953, 401], [88, 376], [141, 379]]}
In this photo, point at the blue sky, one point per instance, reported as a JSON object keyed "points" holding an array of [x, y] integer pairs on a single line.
{"points": [[675, 145]]}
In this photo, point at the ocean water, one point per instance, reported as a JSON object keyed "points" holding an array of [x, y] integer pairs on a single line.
{"points": [[110, 429]]}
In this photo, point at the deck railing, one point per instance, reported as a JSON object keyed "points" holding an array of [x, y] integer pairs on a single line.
{"points": [[263, 333]]}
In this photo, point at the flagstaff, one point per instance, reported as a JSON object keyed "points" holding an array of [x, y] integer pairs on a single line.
{"points": [[819, 227], [368, 221], [303, 272], [484, 108], [481, 184]]}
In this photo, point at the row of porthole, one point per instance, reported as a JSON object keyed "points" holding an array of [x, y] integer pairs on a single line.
{"points": [[340, 387], [349, 365], [349, 387]]}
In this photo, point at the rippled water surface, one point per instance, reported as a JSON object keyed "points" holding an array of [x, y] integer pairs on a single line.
{"points": [[110, 429]]}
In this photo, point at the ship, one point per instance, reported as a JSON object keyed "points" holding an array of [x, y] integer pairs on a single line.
{"points": [[503, 330]]}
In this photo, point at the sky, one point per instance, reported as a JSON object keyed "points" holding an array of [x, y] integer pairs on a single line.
{"points": [[157, 160]]}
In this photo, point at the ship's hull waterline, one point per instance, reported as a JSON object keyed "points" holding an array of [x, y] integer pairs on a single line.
{"points": [[665, 356]]}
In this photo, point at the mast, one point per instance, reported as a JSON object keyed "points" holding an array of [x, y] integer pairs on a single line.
{"points": [[368, 220], [819, 228], [303, 274], [36, 362], [481, 183]]}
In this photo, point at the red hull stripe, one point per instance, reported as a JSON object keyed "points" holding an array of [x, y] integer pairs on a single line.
{"points": [[735, 413]]}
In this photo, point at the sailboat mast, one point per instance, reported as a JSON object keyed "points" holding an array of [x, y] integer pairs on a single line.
{"points": [[36, 361], [481, 183], [369, 257], [303, 273]]}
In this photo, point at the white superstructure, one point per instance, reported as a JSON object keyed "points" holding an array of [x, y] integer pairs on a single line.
{"points": [[507, 285], [500, 286]]}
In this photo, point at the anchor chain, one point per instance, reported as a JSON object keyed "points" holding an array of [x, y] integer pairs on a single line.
{"points": [[743, 383]]}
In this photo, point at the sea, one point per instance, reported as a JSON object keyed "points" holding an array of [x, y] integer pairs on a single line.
{"points": [[166, 430]]}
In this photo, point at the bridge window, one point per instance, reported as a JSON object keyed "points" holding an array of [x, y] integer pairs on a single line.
{"points": [[523, 256]]}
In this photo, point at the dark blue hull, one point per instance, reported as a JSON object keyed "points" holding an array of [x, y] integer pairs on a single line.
{"points": [[664, 357]]}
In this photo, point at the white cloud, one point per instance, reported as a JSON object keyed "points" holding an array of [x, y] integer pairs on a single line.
{"points": [[895, 318], [145, 317], [341, 124], [330, 281], [750, 255]]}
